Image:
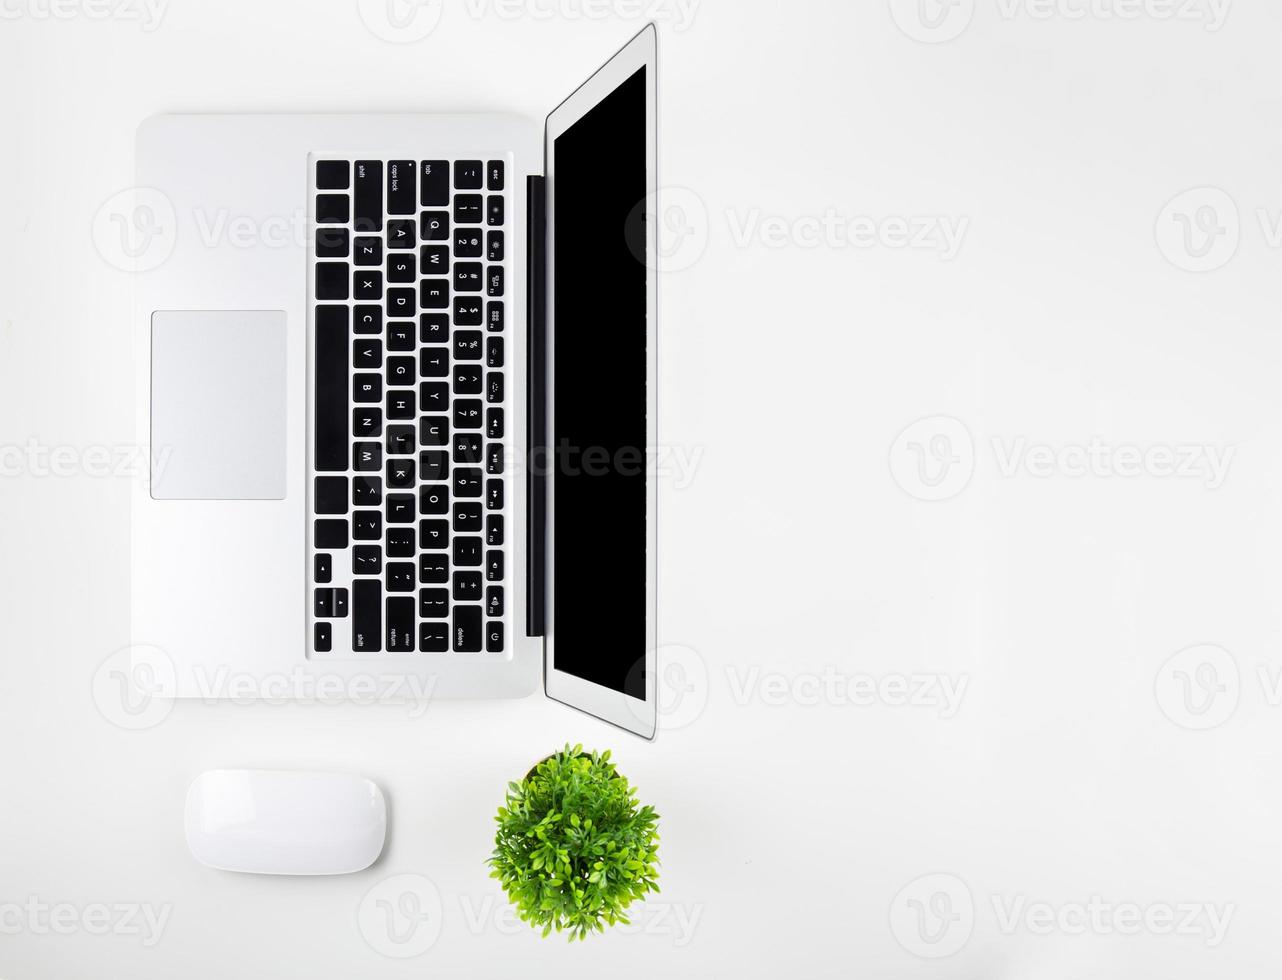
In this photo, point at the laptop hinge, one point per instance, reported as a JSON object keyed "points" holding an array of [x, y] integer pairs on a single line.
{"points": [[536, 410]]}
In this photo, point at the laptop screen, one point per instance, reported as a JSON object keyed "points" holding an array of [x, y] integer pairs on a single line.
{"points": [[599, 376]]}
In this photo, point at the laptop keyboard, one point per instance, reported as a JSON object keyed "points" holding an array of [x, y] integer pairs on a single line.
{"points": [[408, 507]]}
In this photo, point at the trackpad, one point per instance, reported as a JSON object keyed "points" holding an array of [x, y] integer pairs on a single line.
{"points": [[218, 405]]}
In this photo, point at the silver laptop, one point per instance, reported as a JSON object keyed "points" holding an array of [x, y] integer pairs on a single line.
{"points": [[398, 378]]}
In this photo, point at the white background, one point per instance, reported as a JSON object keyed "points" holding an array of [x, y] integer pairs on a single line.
{"points": [[1078, 765]]}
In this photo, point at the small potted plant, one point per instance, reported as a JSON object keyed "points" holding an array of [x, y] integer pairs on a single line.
{"points": [[574, 849]]}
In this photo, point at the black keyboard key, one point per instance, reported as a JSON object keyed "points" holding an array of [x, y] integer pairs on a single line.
{"points": [[467, 629], [368, 319], [494, 246], [434, 294], [401, 267], [401, 371], [494, 566], [401, 198], [494, 281], [434, 178], [494, 494], [434, 430], [467, 586], [434, 603], [434, 328], [468, 174], [435, 396], [467, 448], [367, 491], [367, 389], [467, 413], [367, 559], [367, 354], [494, 459], [333, 243], [434, 498], [323, 638], [367, 525], [401, 474], [435, 534], [493, 637], [400, 576], [400, 624], [367, 284], [401, 403], [434, 569], [494, 175], [494, 352], [467, 517], [467, 379], [435, 260], [434, 637], [468, 209], [467, 277], [467, 482], [367, 422], [467, 552], [400, 440], [368, 196], [467, 311], [400, 335], [494, 600], [330, 405], [494, 530], [467, 243], [400, 234], [434, 362], [400, 508], [401, 542], [367, 457], [494, 209], [322, 569], [331, 280], [400, 302], [330, 534], [368, 251], [494, 316], [330, 495], [333, 175], [434, 226], [468, 345], [367, 615], [494, 387], [494, 423], [435, 465], [330, 604], [333, 209]]}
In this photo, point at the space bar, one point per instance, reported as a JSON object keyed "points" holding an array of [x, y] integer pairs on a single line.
{"points": [[330, 410]]}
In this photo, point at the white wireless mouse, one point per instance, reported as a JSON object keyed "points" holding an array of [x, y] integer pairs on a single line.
{"points": [[285, 823]]}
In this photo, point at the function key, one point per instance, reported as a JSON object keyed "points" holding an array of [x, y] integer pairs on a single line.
{"points": [[494, 530], [494, 175], [333, 175], [467, 175], [494, 209], [400, 187], [494, 600], [494, 246], [435, 182], [494, 352], [494, 566], [494, 637], [494, 315]]}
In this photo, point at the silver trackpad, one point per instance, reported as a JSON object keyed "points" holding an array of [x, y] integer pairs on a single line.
{"points": [[218, 405]]}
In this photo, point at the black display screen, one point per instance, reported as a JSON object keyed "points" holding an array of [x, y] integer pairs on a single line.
{"points": [[599, 376]]}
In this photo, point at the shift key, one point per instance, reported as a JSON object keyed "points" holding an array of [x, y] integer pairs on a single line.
{"points": [[367, 214], [367, 616]]}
